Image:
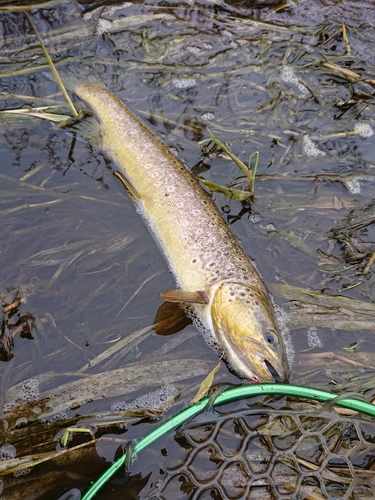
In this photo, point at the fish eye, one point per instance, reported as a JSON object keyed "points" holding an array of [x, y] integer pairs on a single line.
{"points": [[270, 338]]}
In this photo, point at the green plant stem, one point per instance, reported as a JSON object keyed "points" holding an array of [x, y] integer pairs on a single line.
{"points": [[52, 66]]}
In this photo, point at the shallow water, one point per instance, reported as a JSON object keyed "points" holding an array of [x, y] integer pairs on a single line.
{"points": [[274, 79]]}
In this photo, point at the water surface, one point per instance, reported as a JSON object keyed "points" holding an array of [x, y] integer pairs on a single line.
{"points": [[274, 78]]}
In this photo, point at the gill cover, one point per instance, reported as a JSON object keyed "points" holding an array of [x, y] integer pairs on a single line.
{"points": [[246, 328]]}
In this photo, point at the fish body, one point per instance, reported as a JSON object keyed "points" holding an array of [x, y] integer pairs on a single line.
{"points": [[235, 310]]}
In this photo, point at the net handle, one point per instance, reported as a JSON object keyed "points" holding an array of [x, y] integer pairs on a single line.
{"points": [[232, 394]]}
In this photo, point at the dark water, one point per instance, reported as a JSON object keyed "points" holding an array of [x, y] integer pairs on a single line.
{"points": [[262, 76]]}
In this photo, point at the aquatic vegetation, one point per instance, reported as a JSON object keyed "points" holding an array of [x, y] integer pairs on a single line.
{"points": [[263, 80]]}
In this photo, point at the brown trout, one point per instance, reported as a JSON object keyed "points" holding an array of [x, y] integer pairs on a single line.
{"points": [[216, 281]]}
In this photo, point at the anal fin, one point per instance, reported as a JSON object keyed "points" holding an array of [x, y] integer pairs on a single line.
{"points": [[198, 297]]}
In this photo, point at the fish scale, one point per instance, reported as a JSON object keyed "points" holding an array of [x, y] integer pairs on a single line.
{"points": [[202, 251]]}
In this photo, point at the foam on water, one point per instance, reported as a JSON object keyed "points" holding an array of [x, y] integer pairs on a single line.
{"points": [[363, 129], [28, 393], [282, 320], [270, 227], [7, 452], [184, 83], [22, 472], [309, 147], [194, 50], [354, 185], [255, 218], [208, 116], [103, 26], [287, 75], [313, 337], [156, 399], [54, 417]]}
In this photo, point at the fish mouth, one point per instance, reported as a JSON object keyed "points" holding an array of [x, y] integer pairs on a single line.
{"points": [[274, 373], [267, 367]]}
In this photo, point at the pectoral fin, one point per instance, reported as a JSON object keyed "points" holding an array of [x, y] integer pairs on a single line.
{"points": [[199, 297], [129, 188], [170, 319]]}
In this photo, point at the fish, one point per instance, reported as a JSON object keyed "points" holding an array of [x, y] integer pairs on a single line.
{"points": [[218, 287]]}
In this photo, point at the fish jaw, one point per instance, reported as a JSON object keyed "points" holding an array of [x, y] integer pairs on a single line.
{"points": [[245, 327]]}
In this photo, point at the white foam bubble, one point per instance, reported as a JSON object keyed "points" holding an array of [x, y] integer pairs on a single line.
{"points": [[208, 116], [313, 337], [28, 393], [155, 399], [363, 129], [103, 26], [194, 50], [184, 83], [254, 218], [7, 452], [354, 185], [174, 151], [227, 33], [54, 417], [287, 75], [309, 147], [22, 472], [282, 320]]}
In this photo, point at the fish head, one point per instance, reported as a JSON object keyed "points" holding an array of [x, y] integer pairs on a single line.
{"points": [[245, 327]]}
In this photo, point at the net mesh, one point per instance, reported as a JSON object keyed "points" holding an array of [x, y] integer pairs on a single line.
{"points": [[295, 450]]}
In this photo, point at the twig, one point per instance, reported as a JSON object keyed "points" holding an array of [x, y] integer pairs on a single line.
{"points": [[344, 35]]}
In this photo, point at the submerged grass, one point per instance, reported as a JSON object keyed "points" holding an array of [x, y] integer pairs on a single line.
{"points": [[250, 173], [52, 66]]}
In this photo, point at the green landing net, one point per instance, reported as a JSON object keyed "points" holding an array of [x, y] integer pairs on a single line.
{"points": [[227, 396]]}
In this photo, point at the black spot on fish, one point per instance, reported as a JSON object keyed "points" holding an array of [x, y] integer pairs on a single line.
{"points": [[243, 294], [256, 303], [194, 261]]}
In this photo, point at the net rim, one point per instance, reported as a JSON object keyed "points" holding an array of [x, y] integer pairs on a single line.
{"points": [[227, 396]]}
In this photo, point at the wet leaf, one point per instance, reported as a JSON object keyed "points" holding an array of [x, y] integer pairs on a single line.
{"points": [[40, 112], [206, 384]]}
